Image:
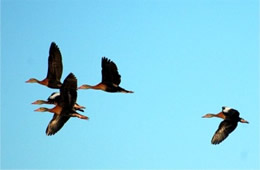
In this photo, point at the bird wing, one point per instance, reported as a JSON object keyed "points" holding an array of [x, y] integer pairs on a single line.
{"points": [[68, 93], [54, 63], [224, 129], [56, 124], [109, 72]]}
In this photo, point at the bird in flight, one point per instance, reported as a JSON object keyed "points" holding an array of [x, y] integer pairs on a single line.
{"points": [[65, 106], [228, 125], [54, 98], [110, 78], [54, 73]]}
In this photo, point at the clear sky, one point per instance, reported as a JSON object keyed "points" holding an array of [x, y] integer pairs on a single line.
{"points": [[182, 58]]}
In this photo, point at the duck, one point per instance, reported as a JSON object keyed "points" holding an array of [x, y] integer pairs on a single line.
{"points": [[110, 78], [64, 109], [228, 125], [54, 98], [55, 67]]}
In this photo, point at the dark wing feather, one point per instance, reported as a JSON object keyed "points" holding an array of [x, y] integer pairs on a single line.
{"points": [[224, 129], [68, 96], [54, 63], [68, 92], [109, 72], [56, 124]]}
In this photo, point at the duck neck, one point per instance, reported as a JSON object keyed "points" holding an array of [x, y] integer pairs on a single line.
{"points": [[220, 115], [43, 82], [99, 86], [57, 109], [43, 102]]}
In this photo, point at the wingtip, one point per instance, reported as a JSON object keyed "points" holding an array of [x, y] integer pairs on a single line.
{"points": [[53, 45], [49, 133], [105, 60], [215, 142], [71, 75]]}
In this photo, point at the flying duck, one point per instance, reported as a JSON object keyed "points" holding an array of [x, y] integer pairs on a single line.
{"points": [[228, 125], [65, 107], [110, 78], [54, 69], [54, 98]]}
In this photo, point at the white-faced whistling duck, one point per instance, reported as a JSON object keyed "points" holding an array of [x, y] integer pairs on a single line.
{"points": [[231, 118], [110, 78]]}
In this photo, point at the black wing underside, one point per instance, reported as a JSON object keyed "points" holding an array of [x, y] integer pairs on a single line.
{"points": [[68, 96], [224, 129], [109, 72], [54, 63], [56, 124], [68, 92]]}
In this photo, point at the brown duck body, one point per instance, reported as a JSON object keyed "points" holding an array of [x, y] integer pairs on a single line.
{"points": [[55, 98], [55, 68], [65, 107], [228, 125], [110, 78]]}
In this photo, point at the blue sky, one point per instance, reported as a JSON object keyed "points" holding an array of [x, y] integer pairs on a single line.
{"points": [[182, 59]]}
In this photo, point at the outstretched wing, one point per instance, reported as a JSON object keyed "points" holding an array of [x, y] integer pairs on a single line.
{"points": [[109, 72], [56, 124], [54, 63], [224, 129], [68, 92]]}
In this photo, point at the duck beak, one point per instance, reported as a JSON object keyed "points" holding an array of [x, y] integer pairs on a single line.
{"points": [[34, 102], [204, 116]]}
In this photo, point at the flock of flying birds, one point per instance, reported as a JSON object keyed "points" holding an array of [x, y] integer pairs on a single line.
{"points": [[65, 101]]}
